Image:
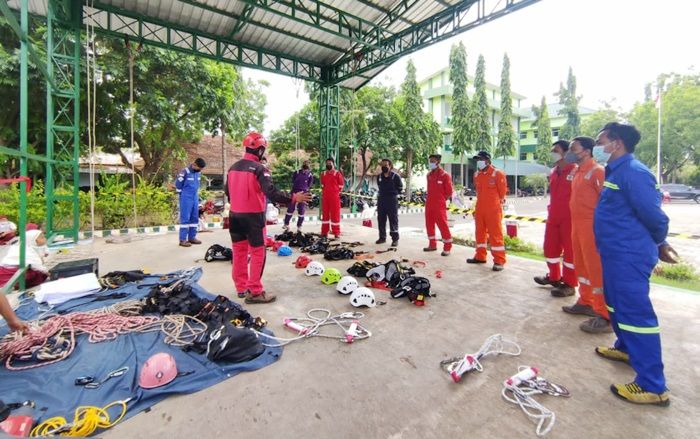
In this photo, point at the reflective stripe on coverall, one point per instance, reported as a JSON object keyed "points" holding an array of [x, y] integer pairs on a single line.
{"points": [[491, 190], [629, 226], [439, 191], [585, 191], [187, 187], [557, 232], [332, 183]]}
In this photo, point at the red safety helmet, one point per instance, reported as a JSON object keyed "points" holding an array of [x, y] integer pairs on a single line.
{"points": [[276, 246], [254, 140], [302, 261], [157, 371]]}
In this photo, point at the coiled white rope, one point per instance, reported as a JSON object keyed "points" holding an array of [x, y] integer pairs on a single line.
{"points": [[494, 345], [310, 326]]}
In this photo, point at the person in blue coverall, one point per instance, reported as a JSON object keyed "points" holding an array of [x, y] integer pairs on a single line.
{"points": [[630, 232], [187, 187]]}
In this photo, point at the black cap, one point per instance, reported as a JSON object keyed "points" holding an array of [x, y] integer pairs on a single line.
{"points": [[200, 163], [482, 155]]}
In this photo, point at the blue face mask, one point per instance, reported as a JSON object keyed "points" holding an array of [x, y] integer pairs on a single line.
{"points": [[432, 165], [600, 155]]}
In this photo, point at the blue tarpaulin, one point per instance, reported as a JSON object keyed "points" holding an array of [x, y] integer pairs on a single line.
{"points": [[53, 388]]}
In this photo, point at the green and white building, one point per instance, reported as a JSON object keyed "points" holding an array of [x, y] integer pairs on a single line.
{"points": [[437, 100]]}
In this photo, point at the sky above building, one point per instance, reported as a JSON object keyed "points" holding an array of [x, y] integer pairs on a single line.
{"points": [[615, 47]]}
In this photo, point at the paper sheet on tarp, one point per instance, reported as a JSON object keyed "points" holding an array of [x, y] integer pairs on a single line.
{"points": [[53, 389], [62, 290]]}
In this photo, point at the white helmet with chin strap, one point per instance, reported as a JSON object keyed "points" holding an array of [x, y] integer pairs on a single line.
{"points": [[314, 268], [347, 285], [362, 296]]}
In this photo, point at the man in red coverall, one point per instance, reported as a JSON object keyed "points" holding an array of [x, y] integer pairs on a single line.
{"points": [[491, 189], [247, 184], [557, 232], [332, 182], [439, 191]]}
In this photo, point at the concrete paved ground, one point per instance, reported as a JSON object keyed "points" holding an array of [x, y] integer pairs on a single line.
{"points": [[391, 385]]}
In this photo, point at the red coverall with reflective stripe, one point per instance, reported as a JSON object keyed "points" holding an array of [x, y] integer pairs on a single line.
{"points": [[585, 191], [332, 183], [439, 191], [491, 190], [557, 233]]}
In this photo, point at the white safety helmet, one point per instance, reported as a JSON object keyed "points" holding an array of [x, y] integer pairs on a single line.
{"points": [[347, 285], [314, 268], [362, 296]]}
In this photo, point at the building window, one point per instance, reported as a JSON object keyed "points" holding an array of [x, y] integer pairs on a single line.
{"points": [[535, 133], [447, 139], [523, 156], [523, 134], [555, 132]]}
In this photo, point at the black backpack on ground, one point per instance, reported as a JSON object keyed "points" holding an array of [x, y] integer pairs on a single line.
{"points": [[218, 253]]}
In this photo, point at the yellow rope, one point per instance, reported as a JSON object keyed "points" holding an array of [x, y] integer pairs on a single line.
{"points": [[86, 421]]}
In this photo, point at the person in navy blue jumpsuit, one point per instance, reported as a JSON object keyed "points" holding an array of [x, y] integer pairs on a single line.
{"points": [[630, 232], [187, 187]]}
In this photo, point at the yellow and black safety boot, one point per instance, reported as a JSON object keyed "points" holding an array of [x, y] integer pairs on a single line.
{"points": [[612, 354], [633, 393]]}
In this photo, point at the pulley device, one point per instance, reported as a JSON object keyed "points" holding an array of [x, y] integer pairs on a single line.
{"points": [[494, 345], [521, 388], [317, 318]]}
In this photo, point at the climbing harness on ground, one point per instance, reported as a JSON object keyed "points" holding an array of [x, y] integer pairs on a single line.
{"points": [[284, 250], [360, 268], [90, 382], [302, 261], [363, 296], [318, 246], [415, 288], [346, 285], [521, 388], [389, 275], [314, 268], [315, 320], [494, 345], [116, 279], [330, 276], [86, 421], [338, 254], [390, 249], [218, 253]]}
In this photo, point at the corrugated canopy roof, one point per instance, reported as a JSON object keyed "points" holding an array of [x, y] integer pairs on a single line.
{"points": [[345, 42]]}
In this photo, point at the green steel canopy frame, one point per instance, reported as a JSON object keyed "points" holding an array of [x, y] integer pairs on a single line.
{"points": [[333, 43]]}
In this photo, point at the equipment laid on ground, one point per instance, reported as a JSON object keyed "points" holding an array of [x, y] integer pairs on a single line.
{"points": [[362, 296], [90, 382], [523, 386], [85, 421], [360, 268], [302, 261], [74, 268], [314, 268], [415, 288], [157, 371], [330, 276], [389, 274], [494, 345], [16, 419], [218, 253], [347, 284], [284, 250], [310, 326]]}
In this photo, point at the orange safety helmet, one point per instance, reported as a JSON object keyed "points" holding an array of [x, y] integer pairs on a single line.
{"points": [[157, 371], [254, 140]]}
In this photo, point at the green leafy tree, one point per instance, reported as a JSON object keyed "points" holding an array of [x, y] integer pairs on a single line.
{"points": [[479, 110], [283, 140], [461, 125], [592, 123], [506, 134], [569, 102], [680, 126], [544, 131], [419, 134]]}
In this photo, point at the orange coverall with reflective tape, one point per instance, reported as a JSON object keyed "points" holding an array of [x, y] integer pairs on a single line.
{"points": [[491, 190], [585, 190]]}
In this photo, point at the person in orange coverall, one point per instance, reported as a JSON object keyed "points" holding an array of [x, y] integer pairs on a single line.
{"points": [[491, 190], [332, 182], [439, 191], [585, 190]]}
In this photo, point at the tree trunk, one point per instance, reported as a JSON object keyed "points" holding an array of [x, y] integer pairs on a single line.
{"points": [[462, 181], [409, 173]]}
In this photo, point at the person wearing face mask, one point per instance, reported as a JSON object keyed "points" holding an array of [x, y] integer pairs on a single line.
{"points": [[491, 189], [332, 183], [439, 191], [390, 186], [585, 190], [557, 232], [630, 232], [187, 187], [247, 184], [302, 180]]}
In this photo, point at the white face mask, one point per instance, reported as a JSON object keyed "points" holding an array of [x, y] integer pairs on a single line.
{"points": [[481, 164], [555, 156], [432, 165]]}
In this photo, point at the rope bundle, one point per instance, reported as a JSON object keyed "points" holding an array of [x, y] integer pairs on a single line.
{"points": [[54, 339]]}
